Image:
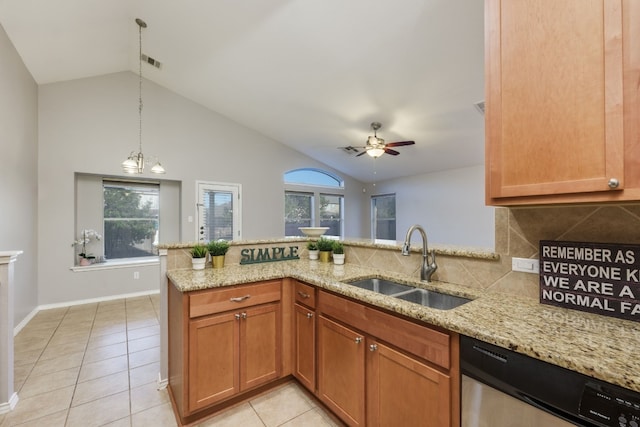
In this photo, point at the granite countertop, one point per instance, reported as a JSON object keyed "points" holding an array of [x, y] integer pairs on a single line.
{"points": [[598, 346]]}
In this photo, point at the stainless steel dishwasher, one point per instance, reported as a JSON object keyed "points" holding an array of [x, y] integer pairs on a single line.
{"points": [[502, 388]]}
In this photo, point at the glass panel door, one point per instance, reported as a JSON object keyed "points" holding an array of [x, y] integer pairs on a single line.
{"points": [[218, 211]]}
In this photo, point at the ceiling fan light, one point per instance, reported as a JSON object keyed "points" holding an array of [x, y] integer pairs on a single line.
{"points": [[375, 152]]}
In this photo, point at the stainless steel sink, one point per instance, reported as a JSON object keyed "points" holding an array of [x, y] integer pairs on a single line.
{"points": [[433, 299], [381, 286], [423, 297]]}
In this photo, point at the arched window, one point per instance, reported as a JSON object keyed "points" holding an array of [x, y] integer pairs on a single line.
{"points": [[313, 198]]}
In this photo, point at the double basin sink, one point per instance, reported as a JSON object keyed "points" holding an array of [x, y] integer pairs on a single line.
{"points": [[423, 297]]}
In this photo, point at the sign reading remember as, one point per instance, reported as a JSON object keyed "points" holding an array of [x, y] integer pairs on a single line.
{"points": [[595, 277]]}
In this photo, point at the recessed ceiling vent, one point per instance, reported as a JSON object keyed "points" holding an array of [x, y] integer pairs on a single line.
{"points": [[350, 150], [480, 107], [149, 60]]}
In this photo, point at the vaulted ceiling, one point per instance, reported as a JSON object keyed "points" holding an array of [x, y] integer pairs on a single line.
{"points": [[310, 74]]}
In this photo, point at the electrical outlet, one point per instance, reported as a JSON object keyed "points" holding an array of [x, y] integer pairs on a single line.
{"points": [[136, 275], [525, 265]]}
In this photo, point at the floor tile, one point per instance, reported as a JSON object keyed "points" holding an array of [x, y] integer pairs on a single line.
{"points": [[242, 415], [102, 368], [142, 323], [144, 343], [58, 350], [312, 418], [106, 352], [144, 357], [57, 419], [99, 412], [122, 422], [100, 387], [38, 384], [147, 396], [157, 416], [135, 334], [67, 361], [281, 405], [104, 340], [41, 405], [144, 374]]}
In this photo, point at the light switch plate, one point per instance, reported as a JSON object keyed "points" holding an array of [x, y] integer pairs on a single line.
{"points": [[525, 265]]}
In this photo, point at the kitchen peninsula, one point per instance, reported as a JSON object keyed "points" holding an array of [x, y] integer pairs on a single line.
{"points": [[593, 345]]}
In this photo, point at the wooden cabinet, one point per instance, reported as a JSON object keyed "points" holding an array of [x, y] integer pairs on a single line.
{"points": [[341, 371], [562, 101], [304, 317], [223, 342], [377, 369]]}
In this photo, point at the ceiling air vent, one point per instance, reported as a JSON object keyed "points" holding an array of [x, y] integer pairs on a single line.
{"points": [[149, 60], [350, 150], [480, 107]]}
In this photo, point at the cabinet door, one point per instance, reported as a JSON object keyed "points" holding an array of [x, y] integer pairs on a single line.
{"points": [[341, 371], [213, 359], [554, 97], [305, 346], [403, 391], [260, 345]]}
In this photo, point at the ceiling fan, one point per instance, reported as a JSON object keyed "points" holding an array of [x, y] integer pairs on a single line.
{"points": [[376, 147]]}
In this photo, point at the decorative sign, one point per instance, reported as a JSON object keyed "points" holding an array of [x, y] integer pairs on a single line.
{"points": [[595, 277], [255, 256]]}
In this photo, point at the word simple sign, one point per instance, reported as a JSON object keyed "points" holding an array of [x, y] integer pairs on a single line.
{"points": [[595, 277], [254, 256]]}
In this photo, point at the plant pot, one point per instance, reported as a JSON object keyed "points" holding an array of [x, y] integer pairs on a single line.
{"points": [[338, 259], [313, 254], [325, 256], [217, 261], [84, 262], [198, 263]]}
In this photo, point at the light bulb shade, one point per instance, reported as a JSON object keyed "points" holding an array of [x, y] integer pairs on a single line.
{"points": [[157, 168], [129, 166], [375, 152]]}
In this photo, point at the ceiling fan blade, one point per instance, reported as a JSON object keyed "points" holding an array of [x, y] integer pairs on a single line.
{"points": [[400, 144], [390, 151], [364, 152]]}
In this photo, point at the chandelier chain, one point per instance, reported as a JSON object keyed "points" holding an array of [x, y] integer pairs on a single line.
{"points": [[140, 87]]}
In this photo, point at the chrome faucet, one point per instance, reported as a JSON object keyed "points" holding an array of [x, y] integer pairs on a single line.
{"points": [[427, 269]]}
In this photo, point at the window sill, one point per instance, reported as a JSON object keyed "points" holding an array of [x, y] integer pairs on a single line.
{"points": [[112, 265]]}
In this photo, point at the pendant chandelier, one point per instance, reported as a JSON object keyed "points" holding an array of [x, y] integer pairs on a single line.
{"points": [[134, 164]]}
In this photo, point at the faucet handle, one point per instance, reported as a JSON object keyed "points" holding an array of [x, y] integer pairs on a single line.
{"points": [[406, 248], [433, 259]]}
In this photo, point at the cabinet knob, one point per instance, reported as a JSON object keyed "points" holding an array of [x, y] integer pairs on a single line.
{"points": [[237, 316], [309, 315], [614, 183], [358, 340], [243, 315], [373, 347]]}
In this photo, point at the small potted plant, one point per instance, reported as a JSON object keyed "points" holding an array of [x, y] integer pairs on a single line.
{"points": [[198, 257], [324, 246], [218, 249], [85, 257], [338, 252], [312, 247]]}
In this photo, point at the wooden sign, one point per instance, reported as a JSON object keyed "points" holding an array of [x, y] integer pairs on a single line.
{"points": [[255, 256], [595, 277]]}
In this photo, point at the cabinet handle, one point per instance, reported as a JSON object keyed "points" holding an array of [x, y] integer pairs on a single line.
{"points": [[303, 295], [239, 299], [237, 317], [309, 315], [614, 183], [373, 347], [358, 340], [243, 315]]}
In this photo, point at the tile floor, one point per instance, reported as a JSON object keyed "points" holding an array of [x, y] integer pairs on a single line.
{"points": [[97, 365]]}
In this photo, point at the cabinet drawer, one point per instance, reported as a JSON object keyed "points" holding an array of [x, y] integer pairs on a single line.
{"points": [[423, 341], [231, 298], [305, 294]]}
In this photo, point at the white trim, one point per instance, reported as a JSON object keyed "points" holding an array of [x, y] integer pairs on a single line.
{"points": [[94, 300], [8, 406], [162, 383], [23, 323], [113, 265], [233, 188]]}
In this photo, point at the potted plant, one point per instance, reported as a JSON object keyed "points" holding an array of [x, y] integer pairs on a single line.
{"points": [[87, 236], [312, 247], [325, 246], [218, 249], [198, 257], [338, 252]]}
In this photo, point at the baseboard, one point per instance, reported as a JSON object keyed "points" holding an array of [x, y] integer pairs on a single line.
{"points": [[35, 311], [8, 406], [162, 383]]}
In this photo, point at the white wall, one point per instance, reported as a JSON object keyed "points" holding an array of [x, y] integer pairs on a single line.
{"points": [[449, 205], [91, 125], [19, 173]]}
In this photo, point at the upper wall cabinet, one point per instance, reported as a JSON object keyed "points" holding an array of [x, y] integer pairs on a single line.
{"points": [[562, 101]]}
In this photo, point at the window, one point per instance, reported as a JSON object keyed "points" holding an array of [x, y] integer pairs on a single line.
{"points": [[313, 198], [383, 217], [218, 211], [131, 219]]}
